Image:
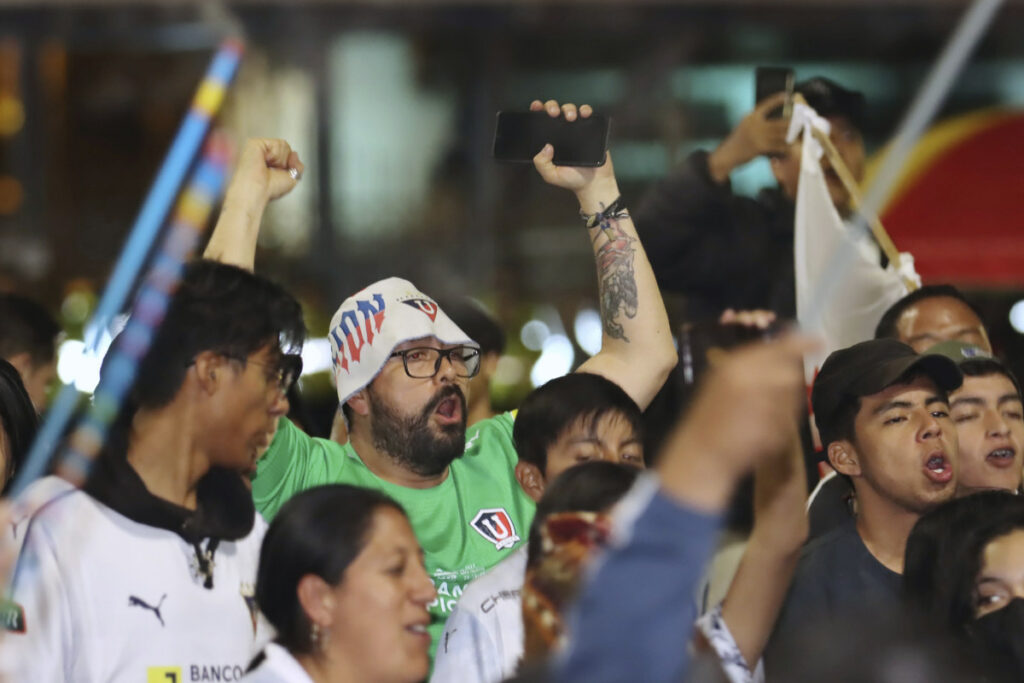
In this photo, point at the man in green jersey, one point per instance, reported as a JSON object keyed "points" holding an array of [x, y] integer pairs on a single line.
{"points": [[402, 368]]}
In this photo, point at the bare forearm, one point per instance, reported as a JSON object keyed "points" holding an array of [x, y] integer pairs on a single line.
{"points": [[636, 350], [727, 157], [755, 596], [267, 169], [236, 232], [757, 591]]}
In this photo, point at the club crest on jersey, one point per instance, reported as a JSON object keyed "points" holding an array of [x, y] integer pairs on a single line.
{"points": [[424, 306], [496, 526], [355, 329]]}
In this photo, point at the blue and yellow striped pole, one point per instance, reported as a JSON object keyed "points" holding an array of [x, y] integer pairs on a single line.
{"points": [[186, 145]]}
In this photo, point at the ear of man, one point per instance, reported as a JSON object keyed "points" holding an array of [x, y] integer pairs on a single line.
{"points": [[209, 370], [359, 403], [530, 479], [844, 458]]}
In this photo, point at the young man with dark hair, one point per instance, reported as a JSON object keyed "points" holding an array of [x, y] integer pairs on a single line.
{"points": [[402, 368], [883, 414], [28, 341], [933, 314], [567, 422], [989, 418], [574, 419], [921, 319], [723, 250], [147, 573]]}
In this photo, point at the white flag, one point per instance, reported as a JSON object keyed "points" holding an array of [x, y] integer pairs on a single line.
{"points": [[856, 303]]}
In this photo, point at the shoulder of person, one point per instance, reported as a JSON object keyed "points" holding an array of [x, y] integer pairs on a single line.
{"points": [[830, 547], [486, 433]]}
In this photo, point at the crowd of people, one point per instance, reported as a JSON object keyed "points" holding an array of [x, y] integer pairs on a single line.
{"points": [[431, 538]]}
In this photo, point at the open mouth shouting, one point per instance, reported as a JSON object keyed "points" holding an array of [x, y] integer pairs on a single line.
{"points": [[450, 408], [1001, 457], [938, 467]]}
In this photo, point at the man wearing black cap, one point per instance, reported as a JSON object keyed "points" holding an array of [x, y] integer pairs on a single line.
{"points": [[883, 414], [723, 250]]}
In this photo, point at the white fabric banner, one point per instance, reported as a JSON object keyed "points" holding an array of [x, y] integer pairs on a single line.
{"points": [[866, 290]]}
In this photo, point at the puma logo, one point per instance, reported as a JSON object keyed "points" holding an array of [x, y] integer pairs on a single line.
{"points": [[139, 602]]}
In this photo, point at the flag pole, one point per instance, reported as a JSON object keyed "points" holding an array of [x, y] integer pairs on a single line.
{"points": [[926, 103], [877, 229]]}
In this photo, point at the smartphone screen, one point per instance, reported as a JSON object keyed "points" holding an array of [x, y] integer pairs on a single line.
{"points": [[770, 80], [518, 136]]}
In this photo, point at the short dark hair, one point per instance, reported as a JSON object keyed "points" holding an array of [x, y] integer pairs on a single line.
{"points": [[217, 308], [19, 418], [828, 98], [319, 531], [475, 322], [944, 554], [983, 367], [886, 328], [553, 407], [27, 327], [588, 487], [842, 426]]}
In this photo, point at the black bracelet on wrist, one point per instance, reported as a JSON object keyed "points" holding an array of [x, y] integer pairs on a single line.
{"points": [[617, 209]]}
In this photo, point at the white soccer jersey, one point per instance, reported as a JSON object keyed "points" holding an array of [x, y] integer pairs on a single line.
{"points": [[37, 494], [278, 666], [99, 597], [483, 637]]}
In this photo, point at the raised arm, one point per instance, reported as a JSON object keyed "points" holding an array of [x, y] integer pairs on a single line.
{"points": [[755, 596], [267, 169], [665, 527], [637, 352]]}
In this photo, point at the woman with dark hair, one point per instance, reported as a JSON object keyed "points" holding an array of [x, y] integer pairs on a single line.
{"points": [[341, 579], [19, 422], [964, 571]]}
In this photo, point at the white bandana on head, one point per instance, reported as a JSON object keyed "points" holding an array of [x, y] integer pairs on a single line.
{"points": [[368, 326]]}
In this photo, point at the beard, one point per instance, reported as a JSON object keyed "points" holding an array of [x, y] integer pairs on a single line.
{"points": [[411, 441]]}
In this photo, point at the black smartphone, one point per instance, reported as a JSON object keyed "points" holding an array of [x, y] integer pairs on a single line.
{"points": [[770, 80], [519, 135]]}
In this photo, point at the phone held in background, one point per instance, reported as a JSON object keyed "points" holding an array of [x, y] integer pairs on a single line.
{"points": [[770, 80], [519, 135]]}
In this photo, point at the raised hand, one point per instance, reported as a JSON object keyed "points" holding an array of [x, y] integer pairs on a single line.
{"points": [[267, 169], [753, 136], [595, 187]]}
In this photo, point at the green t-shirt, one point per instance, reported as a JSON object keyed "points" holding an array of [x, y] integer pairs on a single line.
{"points": [[467, 524]]}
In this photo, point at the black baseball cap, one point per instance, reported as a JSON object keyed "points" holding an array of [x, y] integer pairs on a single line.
{"points": [[867, 368], [828, 98]]}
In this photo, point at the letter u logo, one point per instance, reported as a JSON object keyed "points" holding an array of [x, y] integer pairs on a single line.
{"points": [[501, 532]]}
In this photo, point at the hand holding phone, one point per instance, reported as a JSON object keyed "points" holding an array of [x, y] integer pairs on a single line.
{"points": [[579, 141], [594, 185]]}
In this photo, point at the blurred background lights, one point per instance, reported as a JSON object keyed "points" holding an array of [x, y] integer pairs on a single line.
{"points": [[1017, 316], [11, 195], [75, 366], [534, 334], [316, 356], [587, 328], [555, 360], [509, 371]]}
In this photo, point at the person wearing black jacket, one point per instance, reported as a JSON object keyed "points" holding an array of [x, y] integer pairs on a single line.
{"points": [[722, 250]]}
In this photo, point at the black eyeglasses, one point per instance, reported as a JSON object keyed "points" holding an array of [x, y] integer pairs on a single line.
{"points": [[423, 362], [285, 372]]}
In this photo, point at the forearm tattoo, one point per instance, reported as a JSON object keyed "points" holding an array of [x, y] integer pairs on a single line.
{"points": [[616, 280]]}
